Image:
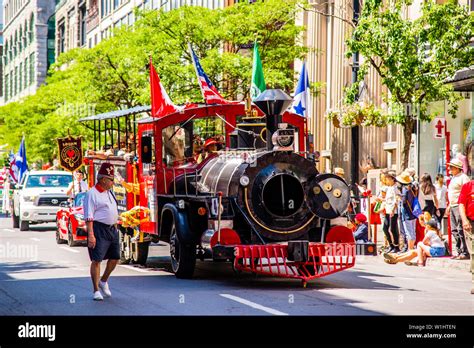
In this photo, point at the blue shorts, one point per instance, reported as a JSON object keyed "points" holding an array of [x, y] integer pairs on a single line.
{"points": [[437, 252], [107, 245]]}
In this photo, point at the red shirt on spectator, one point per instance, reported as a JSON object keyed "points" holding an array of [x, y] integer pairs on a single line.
{"points": [[466, 198]]}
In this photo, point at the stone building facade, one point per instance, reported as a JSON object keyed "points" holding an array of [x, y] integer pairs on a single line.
{"points": [[25, 35]]}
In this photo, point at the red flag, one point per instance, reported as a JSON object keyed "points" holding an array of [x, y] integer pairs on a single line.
{"points": [[161, 104]]}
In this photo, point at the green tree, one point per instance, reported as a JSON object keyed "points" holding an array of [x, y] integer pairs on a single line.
{"points": [[114, 74], [414, 59]]}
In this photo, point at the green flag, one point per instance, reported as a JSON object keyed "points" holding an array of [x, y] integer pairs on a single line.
{"points": [[258, 81]]}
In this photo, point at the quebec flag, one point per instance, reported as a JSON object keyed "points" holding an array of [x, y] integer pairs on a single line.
{"points": [[300, 101], [19, 164]]}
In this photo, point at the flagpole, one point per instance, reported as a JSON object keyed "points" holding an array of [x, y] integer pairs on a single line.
{"points": [[191, 52]]}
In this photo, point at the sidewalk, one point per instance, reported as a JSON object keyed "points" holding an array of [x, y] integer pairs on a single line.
{"points": [[446, 262]]}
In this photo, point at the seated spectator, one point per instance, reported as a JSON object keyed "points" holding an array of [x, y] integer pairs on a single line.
{"points": [[361, 234], [431, 246]]}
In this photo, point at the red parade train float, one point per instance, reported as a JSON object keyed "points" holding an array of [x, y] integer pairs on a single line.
{"points": [[258, 202]]}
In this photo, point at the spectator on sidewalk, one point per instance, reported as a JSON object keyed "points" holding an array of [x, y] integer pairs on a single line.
{"points": [[466, 211], [361, 234], [407, 218], [390, 223], [427, 195], [441, 194], [454, 190], [431, 246]]}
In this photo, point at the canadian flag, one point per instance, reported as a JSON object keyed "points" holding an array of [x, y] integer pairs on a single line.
{"points": [[161, 104]]}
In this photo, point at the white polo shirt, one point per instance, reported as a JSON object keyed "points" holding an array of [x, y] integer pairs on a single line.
{"points": [[101, 206]]}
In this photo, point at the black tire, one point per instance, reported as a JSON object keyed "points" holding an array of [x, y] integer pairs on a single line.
{"points": [[124, 243], [140, 252], [183, 257], [24, 225], [15, 219], [70, 238]]}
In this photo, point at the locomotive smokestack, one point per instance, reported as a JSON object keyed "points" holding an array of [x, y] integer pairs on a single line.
{"points": [[273, 103]]}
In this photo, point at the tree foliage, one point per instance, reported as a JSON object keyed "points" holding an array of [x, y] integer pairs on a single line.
{"points": [[114, 74], [414, 58]]}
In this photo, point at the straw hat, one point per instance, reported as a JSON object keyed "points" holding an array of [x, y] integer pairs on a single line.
{"points": [[456, 162], [391, 173], [404, 178]]}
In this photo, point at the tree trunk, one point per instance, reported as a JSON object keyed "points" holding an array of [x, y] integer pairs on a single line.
{"points": [[407, 132]]}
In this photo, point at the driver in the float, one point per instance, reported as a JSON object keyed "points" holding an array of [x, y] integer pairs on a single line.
{"points": [[210, 147]]}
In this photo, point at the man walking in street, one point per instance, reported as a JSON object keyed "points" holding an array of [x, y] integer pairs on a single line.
{"points": [[466, 210], [454, 190], [101, 214]]}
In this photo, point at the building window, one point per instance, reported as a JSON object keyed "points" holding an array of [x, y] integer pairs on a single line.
{"points": [[15, 82], [20, 77], [7, 81], [83, 18], [116, 4], [32, 68], [25, 73], [31, 32], [61, 37]]}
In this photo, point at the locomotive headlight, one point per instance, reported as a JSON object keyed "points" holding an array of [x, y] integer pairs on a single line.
{"points": [[244, 180], [283, 138]]}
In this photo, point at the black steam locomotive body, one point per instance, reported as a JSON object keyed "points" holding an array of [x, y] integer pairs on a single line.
{"points": [[263, 207]]}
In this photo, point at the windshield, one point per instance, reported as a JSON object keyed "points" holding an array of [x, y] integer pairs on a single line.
{"points": [[48, 180]]}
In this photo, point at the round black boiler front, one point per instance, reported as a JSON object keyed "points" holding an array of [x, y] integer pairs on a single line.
{"points": [[276, 195], [282, 195]]}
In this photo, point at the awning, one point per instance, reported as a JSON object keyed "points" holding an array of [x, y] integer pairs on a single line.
{"points": [[117, 113], [463, 80]]}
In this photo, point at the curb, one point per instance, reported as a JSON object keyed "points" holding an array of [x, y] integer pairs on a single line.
{"points": [[446, 262]]}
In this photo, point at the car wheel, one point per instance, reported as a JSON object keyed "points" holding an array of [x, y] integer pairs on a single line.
{"points": [[15, 219], [70, 237], [59, 240], [183, 257], [24, 225]]}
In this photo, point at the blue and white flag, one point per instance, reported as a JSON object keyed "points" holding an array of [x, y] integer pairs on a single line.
{"points": [[300, 101], [19, 165]]}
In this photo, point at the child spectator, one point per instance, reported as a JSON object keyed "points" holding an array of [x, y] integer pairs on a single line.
{"points": [[431, 246], [441, 194], [361, 234]]}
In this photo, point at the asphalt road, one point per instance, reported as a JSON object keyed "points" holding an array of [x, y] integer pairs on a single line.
{"points": [[39, 277]]}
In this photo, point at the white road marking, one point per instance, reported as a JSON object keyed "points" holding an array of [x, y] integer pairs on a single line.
{"points": [[135, 268], [253, 304], [69, 249], [35, 239], [8, 230]]}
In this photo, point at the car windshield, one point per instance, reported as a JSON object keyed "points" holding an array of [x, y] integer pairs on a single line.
{"points": [[79, 200], [48, 180]]}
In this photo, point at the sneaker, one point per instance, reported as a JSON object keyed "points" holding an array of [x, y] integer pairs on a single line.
{"points": [[98, 296], [105, 288]]}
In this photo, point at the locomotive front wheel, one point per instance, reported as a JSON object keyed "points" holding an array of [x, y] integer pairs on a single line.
{"points": [[183, 257]]}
